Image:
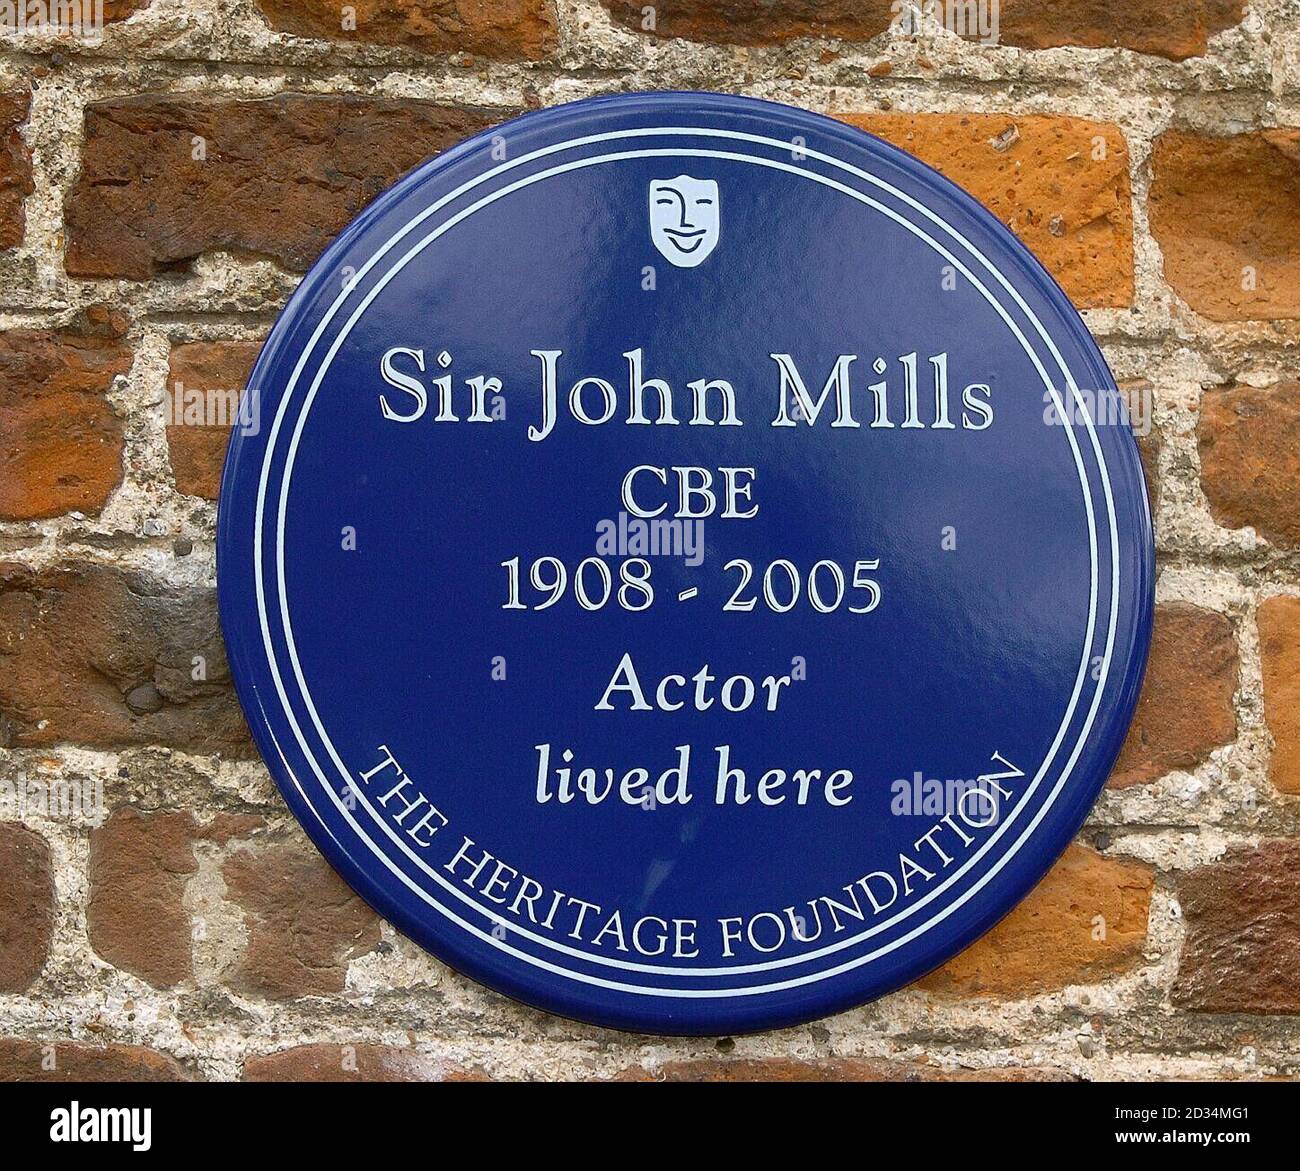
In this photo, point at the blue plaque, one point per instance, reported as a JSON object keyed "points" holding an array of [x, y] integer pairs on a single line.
{"points": [[675, 567]]}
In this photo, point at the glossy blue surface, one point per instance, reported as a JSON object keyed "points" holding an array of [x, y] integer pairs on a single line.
{"points": [[1004, 563]]}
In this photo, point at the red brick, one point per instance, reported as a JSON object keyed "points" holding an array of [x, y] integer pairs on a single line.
{"points": [[1086, 921], [1038, 175], [1139, 397], [1279, 646], [1176, 31], [304, 923], [281, 175], [60, 443], [118, 10], [757, 22], [326, 1062], [15, 166], [27, 906], [138, 869], [67, 1061], [1241, 952], [1249, 441], [829, 1069], [1185, 710], [97, 656], [1226, 214], [504, 30], [1145, 26], [139, 866], [219, 371]]}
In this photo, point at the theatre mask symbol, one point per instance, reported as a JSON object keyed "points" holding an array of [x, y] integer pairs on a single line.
{"points": [[684, 221]]}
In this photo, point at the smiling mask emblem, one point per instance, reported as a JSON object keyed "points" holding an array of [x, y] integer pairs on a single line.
{"points": [[684, 219]]}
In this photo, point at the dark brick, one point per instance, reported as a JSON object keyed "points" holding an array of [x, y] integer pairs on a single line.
{"points": [[1145, 26], [1242, 948], [1279, 648], [76, 640], [67, 1061], [504, 30], [15, 166], [27, 906], [139, 866], [304, 922], [281, 175]]}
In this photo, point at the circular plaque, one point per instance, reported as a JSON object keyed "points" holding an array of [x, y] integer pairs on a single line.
{"points": [[683, 563]]}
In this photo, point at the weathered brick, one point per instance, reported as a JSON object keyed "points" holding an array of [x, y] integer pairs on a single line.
{"points": [[829, 1069], [326, 1062], [117, 10], [93, 655], [1279, 646], [15, 166], [27, 906], [1085, 921], [504, 30], [1241, 952], [139, 866], [1249, 441], [1226, 214], [60, 442], [304, 922], [1042, 177], [1145, 26], [1185, 710], [67, 1061], [216, 374], [757, 22], [279, 177]]}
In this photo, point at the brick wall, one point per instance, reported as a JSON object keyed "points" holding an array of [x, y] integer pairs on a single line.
{"points": [[160, 194]]}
